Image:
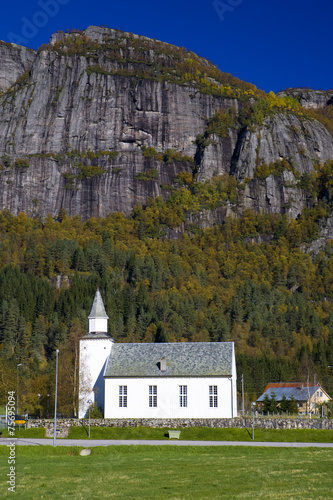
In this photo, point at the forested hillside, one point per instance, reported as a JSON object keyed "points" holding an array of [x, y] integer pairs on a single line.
{"points": [[246, 280], [199, 205]]}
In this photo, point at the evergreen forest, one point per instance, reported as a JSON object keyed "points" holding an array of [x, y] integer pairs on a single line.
{"points": [[248, 280]]}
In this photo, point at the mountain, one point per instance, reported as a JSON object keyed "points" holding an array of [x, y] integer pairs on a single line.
{"points": [[100, 120], [199, 205]]}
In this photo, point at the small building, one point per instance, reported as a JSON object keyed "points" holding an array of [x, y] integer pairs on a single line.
{"points": [[162, 380], [171, 380], [307, 396]]}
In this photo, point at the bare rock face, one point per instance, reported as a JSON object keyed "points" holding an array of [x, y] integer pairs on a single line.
{"points": [[310, 99], [94, 123], [303, 142], [15, 60]]}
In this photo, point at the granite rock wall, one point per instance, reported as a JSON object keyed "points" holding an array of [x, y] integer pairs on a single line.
{"points": [[54, 103]]}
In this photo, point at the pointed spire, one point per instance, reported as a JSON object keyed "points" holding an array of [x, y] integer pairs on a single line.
{"points": [[98, 309], [98, 319]]}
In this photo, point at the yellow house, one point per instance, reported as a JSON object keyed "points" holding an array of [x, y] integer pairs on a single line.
{"points": [[307, 396]]}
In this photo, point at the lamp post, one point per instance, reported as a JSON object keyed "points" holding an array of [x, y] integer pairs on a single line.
{"points": [[329, 366], [55, 402], [39, 395], [89, 403], [242, 395], [17, 389], [253, 405]]}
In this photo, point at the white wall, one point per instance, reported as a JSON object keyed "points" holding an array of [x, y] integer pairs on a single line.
{"points": [[93, 356], [234, 383], [98, 325], [168, 398]]}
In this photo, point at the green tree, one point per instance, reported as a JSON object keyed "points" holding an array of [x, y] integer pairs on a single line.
{"points": [[274, 404], [284, 404], [266, 405], [292, 407]]}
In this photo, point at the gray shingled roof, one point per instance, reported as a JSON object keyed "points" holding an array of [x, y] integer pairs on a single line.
{"points": [[196, 359], [298, 393], [98, 309], [97, 335]]}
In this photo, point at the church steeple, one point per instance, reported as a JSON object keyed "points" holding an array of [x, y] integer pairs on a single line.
{"points": [[98, 319], [95, 347]]}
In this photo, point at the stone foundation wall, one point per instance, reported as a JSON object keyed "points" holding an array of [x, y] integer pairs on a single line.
{"points": [[63, 425]]}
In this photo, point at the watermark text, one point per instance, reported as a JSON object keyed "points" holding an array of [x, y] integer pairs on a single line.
{"points": [[30, 26], [11, 475], [223, 7]]}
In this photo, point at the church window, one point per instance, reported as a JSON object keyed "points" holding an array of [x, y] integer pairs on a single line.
{"points": [[213, 396], [123, 396], [152, 396], [183, 396]]}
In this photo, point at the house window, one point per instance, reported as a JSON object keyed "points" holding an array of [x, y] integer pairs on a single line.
{"points": [[153, 396], [213, 396], [123, 396], [183, 396]]}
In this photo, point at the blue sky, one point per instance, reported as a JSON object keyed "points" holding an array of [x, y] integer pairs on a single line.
{"points": [[273, 44]]}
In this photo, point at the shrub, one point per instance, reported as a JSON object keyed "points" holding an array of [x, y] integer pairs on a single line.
{"points": [[221, 121], [96, 69], [22, 163], [147, 175], [262, 170]]}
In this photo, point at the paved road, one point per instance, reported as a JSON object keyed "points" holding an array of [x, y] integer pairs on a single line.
{"points": [[112, 442]]}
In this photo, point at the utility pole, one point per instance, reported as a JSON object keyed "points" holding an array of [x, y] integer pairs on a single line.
{"points": [[243, 395], [253, 410], [55, 402], [309, 404], [315, 393], [90, 403], [17, 391]]}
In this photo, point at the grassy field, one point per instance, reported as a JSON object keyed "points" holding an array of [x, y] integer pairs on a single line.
{"points": [[170, 473], [190, 433], [205, 434], [39, 432]]}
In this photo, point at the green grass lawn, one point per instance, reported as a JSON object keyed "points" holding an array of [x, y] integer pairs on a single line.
{"points": [[170, 473], [190, 433], [39, 432], [205, 434]]}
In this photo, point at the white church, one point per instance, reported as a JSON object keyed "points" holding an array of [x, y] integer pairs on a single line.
{"points": [[162, 380]]}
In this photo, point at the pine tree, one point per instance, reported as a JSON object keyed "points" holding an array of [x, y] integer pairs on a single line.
{"points": [[266, 405], [161, 334], [292, 407], [284, 404], [273, 403]]}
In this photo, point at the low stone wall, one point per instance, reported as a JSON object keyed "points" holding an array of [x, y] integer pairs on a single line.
{"points": [[63, 425]]}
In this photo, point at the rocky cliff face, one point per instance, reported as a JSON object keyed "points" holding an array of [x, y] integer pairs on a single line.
{"points": [[303, 142], [88, 122], [309, 98], [15, 60]]}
